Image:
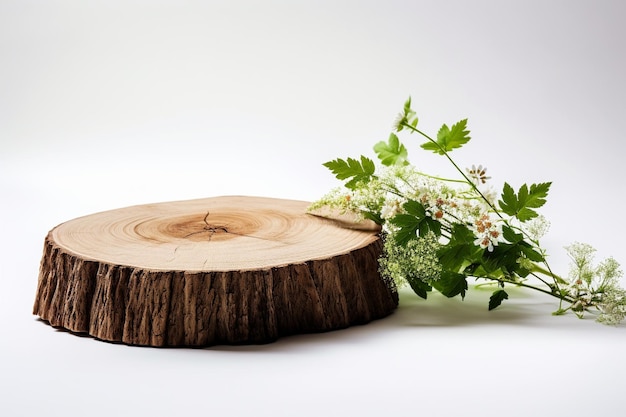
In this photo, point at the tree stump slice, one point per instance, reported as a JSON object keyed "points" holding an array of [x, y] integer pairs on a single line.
{"points": [[222, 270]]}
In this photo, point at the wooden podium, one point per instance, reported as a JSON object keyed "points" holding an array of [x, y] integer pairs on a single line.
{"points": [[223, 270]]}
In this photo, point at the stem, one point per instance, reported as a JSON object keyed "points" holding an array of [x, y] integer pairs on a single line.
{"points": [[525, 285], [548, 272], [445, 153], [434, 177], [539, 278], [538, 269]]}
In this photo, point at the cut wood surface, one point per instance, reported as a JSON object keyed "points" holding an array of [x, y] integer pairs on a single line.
{"points": [[222, 270]]}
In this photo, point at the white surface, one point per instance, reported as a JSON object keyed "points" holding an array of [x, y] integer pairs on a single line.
{"points": [[105, 104]]}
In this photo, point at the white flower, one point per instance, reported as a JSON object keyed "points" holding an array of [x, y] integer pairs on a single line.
{"points": [[486, 243], [581, 268], [390, 208], [398, 121], [412, 262], [490, 194], [537, 227], [478, 175], [613, 306], [487, 231]]}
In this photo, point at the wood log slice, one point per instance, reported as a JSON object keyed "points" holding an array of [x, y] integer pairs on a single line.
{"points": [[223, 270]]}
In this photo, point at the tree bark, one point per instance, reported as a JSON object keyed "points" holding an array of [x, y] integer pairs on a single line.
{"points": [[223, 270]]}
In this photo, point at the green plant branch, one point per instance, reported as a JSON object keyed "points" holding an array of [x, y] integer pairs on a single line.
{"points": [[526, 285], [445, 153], [470, 228], [434, 177]]}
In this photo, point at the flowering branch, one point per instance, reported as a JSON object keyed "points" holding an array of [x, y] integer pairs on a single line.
{"points": [[439, 232], [477, 175]]}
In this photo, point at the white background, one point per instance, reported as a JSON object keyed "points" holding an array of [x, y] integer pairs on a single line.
{"points": [[105, 104]]}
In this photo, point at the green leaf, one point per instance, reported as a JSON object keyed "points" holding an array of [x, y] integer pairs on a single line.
{"points": [[392, 152], [521, 205], [414, 222], [496, 298], [537, 194], [508, 202], [408, 116], [408, 225], [509, 234], [352, 169], [415, 208], [461, 235], [373, 216], [520, 245], [504, 259], [460, 252], [429, 225], [531, 253], [449, 139], [451, 284], [420, 288], [407, 106]]}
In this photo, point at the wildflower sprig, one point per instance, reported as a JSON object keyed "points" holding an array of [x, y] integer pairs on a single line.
{"points": [[439, 232]]}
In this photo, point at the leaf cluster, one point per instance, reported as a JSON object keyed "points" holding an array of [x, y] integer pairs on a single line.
{"points": [[460, 257], [414, 222]]}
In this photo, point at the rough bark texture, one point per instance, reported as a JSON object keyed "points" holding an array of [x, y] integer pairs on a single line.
{"points": [[150, 306]]}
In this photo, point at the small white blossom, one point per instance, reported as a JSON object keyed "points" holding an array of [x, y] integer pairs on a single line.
{"points": [[537, 227], [391, 208], [337, 199], [398, 121], [613, 307], [582, 255], [414, 262], [478, 175], [595, 286], [488, 232], [490, 194]]}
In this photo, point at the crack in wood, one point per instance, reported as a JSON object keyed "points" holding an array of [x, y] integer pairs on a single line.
{"points": [[212, 230]]}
